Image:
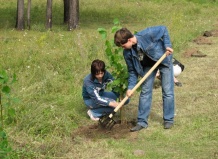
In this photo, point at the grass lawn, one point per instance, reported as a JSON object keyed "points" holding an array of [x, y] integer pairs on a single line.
{"points": [[51, 120]]}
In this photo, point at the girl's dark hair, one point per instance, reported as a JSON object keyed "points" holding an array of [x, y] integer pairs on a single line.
{"points": [[96, 67], [121, 36]]}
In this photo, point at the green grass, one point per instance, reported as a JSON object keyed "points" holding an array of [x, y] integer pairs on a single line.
{"points": [[50, 66]]}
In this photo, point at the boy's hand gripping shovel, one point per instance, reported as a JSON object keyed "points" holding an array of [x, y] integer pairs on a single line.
{"points": [[107, 121]]}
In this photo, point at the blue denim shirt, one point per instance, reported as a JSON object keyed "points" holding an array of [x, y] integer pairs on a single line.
{"points": [[92, 89], [152, 41]]}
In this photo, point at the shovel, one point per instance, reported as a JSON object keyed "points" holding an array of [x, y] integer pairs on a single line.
{"points": [[106, 121]]}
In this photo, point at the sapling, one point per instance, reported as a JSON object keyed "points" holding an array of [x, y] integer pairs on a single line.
{"points": [[116, 65], [5, 106]]}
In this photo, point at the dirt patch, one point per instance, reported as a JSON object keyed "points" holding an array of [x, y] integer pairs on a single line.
{"points": [[207, 33], [193, 52], [214, 33], [202, 40], [95, 131]]}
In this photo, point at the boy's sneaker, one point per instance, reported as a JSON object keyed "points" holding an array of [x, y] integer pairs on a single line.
{"points": [[91, 116], [179, 84], [168, 125]]}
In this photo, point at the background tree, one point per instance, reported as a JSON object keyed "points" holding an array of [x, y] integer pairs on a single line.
{"points": [[28, 13], [66, 11], [73, 14], [20, 15], [49, 14]]}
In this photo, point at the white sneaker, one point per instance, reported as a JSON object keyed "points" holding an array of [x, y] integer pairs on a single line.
{"points": [[91, 116]]}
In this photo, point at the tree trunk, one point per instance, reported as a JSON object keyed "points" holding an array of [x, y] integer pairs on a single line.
{"points": [[66, 11], [20, 15], [28, 14], [49, 14], [73, 14]]}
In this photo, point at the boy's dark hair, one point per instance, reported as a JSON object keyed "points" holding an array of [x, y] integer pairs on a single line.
{"points": [[96, 67], [121, 36]]}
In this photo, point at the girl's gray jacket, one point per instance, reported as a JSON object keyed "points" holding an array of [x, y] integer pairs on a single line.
{"points": [[153, 42], [92, 89]]}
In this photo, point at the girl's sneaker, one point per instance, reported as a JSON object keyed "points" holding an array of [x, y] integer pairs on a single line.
{"points": [[91, 116]]}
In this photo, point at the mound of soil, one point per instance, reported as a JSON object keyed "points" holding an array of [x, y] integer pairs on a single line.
{"points": [[207, 33], [95, 131], [203, 40], [214, 33], [193, 52]]}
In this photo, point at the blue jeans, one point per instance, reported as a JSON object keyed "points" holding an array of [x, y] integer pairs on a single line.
{"points": [[98, 110], [145, 99]]}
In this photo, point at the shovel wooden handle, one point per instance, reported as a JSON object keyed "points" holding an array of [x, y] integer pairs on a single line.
{"points": [[139, 84]]}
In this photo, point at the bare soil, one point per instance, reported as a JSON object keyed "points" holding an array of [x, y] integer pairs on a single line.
{"points": [[201, 40], [118, 131]]}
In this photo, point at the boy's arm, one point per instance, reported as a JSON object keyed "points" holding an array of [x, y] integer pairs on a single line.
{"points": [[133, 77]]}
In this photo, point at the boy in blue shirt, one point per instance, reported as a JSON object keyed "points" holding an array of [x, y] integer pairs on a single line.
{"points": [[141, 51]]}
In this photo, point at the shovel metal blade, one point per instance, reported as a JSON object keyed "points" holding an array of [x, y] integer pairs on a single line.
{"points": [[107, 122]]}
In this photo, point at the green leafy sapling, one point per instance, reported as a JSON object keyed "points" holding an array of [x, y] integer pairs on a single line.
{"points": [[5, 97], [116, 65], [9, 111]]}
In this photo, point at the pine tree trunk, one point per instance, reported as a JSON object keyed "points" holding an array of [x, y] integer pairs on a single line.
{"points": [[66, 11], [49, 14], [73, 14], [28, 14], [20, 15]]}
